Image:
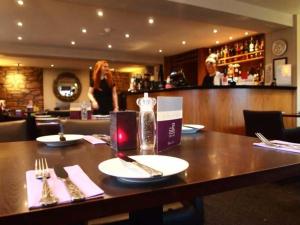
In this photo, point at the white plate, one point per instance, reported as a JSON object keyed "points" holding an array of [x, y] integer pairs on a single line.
{"points": [[130, 173], [46, 119], [42, 116], [100, 117], [53, 140], [191, 128]]}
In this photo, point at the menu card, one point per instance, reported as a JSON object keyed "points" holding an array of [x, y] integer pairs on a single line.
{"points": [[169, 122]]}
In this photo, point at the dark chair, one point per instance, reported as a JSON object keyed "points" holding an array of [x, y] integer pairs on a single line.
{"points": [[13, 131], [270, 124]]}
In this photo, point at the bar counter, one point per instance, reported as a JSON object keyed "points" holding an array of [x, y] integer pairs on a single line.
{"points": [[221, 108]]}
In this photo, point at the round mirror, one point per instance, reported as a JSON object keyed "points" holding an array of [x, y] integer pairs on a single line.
{"points": [[67, 87]]}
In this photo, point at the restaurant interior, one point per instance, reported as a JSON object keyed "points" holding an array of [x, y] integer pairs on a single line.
{"points": [[149, 112]]}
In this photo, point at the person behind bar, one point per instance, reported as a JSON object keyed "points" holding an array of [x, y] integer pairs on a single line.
{"points": [[102, 92], [213, 77]]}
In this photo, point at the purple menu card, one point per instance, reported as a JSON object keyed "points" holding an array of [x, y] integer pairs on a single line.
{"points": [[169, 122]]}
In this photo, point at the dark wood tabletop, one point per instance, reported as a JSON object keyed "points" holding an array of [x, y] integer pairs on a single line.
{"points": [[217, 162]]}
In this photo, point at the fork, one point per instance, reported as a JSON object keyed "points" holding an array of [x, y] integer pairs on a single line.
{"points": [[268, 142], [42, 172]]}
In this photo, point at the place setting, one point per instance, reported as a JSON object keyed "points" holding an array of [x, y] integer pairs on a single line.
{"points": [[191, 128], [61, 184], [60, 139], [100, 117], [151, 165], [277, 144], [142, 168]]}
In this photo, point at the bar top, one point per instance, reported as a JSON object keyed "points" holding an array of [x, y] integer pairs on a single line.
{"points": [[218, 87]]}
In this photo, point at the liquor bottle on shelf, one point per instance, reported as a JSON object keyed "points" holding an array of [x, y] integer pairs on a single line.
{"points": [[256, 46], [218, 54], [241, 48], [226, 51], [246, 47], [233, 50], [262, 46], [251, 45], [222, 53]]}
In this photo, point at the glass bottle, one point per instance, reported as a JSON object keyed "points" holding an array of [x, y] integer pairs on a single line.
{"points": [[147, 124], [246, 47], [251, 45], [84, 111], [225, 51], [256, 45], [241, 48]]}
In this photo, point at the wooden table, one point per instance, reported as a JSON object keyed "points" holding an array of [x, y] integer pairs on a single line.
{"points": [[291, 114], [218, 162]]}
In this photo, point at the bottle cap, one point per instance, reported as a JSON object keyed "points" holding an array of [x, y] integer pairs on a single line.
{"points": [[146, 103]]}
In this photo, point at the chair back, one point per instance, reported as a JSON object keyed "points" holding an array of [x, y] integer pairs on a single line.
{"points": [[86, 127], [269, 123], [13, 131]]}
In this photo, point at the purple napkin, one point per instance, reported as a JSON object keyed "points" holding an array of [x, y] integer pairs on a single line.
{"points": [[76, 174], [283, 146], [93, 140]]}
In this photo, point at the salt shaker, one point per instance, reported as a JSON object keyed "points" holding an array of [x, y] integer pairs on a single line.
{"points": [[147, 124]]}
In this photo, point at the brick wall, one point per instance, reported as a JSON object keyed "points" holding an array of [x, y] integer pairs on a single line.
{"points": [[19, 85], [121, 80]]}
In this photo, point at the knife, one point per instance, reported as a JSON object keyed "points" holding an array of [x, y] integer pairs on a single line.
{"points": [[74, 191], [152, 172]]}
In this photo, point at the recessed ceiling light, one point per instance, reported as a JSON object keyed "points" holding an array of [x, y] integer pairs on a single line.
{"points": [[230, 38], [20, 2], [127, 35], [217, 42], [90, 67], [215, 31], [183, 42], [109, 46], [52, 65], [160, 50], [83, 30], [246, 33], [107, 29], [20, 24], [20, 38], [150, 20], [73, 42], [100, 13]]}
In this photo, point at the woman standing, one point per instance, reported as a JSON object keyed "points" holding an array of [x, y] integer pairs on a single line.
{"points": [[102, 92]]}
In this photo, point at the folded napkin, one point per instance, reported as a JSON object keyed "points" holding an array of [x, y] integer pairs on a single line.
{"points": [[93, 139], [76, 174], [281, 145]]}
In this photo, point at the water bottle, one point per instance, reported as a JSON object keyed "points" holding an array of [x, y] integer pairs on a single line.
{"points": [[147, 124], [84, 111]]}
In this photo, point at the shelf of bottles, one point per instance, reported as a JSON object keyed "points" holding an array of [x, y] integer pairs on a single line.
{"points": [[241, 51], [242, 61]]}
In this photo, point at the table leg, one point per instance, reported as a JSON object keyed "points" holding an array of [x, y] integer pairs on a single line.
{"points": [[149, 216]]}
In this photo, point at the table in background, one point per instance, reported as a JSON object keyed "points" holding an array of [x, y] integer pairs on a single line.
{"points": [[291, 114], [218, 162]]}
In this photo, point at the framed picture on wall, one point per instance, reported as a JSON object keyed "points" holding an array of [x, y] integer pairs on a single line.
{"points": [[277, 63]]}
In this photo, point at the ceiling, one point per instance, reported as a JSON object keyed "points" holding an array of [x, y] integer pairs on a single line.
{"points": [[49, 26], [289, 6]]}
